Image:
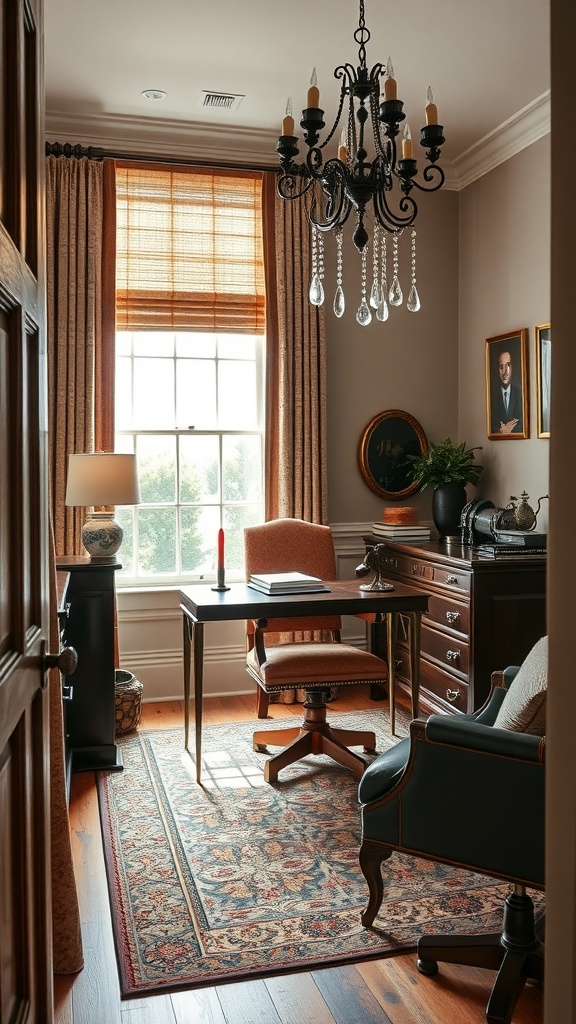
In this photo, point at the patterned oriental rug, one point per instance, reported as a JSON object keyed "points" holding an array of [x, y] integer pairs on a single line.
{"points": [[238, 878]]}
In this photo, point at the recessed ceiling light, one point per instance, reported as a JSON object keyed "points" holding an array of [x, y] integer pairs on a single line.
{"points": [[154, 94]]}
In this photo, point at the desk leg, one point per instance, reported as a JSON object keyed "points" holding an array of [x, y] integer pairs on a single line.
{"points": [[198, 645], [391, 631], [415, 620], [187, 644]]}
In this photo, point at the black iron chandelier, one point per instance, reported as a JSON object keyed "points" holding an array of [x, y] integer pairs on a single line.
{"points": [[376, 186]]}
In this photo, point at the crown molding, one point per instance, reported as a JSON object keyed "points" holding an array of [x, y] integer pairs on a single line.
{"points": [[511, 137], [161, 137], [231, 145]]}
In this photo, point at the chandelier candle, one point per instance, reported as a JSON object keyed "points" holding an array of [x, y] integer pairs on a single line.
{"points": [[288, 122], [371, 177]]}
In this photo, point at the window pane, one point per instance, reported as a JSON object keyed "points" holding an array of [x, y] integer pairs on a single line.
{"points": [[196, 394], [157, 540], [125, 516], [157, 469], [199, 469], [237, 396], [235, 520], [194, 343], [123, 343], [236, 346], [200, 539], [153, 343], [241, 468], [153, 394], [123, 394]]}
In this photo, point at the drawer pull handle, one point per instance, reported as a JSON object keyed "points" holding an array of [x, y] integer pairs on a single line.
{"points": [[452, 695], [452, 655], [453, 617], [451, 579]]}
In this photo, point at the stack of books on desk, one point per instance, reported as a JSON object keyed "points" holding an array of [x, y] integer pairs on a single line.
{"points": [[508, 551], [514, 544], [272, 583], [401, 534]]}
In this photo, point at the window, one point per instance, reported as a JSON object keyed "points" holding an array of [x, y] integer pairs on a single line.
{"points": [[189, 367]]}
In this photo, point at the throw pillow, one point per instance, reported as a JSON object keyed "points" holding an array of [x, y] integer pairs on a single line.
{"points": [[524, 706]]}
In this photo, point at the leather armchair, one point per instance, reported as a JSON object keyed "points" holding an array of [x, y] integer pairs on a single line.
{"points": [[463, 792]]}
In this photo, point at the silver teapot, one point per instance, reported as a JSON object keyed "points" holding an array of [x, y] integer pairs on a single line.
{"points": [[519, 515]]}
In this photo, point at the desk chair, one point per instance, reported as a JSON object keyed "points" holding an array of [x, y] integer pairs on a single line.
{"points": [[304, 653], [468, 790]]}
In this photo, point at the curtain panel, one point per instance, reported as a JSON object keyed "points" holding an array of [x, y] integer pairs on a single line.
{"points": [[296, 367], [79, 201]]}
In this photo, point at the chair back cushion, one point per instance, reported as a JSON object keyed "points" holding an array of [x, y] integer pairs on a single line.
{"points": [[292, 545], [524, 706]]}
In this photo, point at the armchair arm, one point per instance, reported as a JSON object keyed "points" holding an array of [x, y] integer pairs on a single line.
{"points": [[484, 738]]}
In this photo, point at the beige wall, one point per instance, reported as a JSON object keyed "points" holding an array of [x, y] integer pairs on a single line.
{"points": [[504, 285], [409, 363]]}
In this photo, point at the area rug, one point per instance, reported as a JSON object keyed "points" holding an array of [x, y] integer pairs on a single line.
{"points": [[212, 883]]}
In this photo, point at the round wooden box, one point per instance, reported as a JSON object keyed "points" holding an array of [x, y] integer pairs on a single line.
{"points": [[128, 702]]}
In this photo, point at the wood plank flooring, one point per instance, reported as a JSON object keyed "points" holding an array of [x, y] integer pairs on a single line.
{"points": [[389, 991]]}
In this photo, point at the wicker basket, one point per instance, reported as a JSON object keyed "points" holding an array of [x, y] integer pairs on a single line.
{"points": [[128, 701]]}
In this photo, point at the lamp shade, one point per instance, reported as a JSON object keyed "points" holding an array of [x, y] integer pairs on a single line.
{"points": [[102, 478]]}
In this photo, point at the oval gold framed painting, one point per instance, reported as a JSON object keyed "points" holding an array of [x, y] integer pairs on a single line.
{"points": [[385, 443]]}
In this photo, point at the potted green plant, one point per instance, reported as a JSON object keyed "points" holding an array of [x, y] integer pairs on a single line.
{"points": [[447, 467]]}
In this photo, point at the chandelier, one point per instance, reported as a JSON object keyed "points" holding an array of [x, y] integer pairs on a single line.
{"points": [[371, 177]]}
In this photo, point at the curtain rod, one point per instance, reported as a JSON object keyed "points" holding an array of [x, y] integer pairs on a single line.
{"points": [[94, 153]]}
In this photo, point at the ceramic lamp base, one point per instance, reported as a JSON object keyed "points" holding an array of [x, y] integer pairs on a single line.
{"points": [[102, 536]]}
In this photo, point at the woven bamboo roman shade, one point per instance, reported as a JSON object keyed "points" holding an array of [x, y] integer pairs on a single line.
{"points": [[189, 250]]}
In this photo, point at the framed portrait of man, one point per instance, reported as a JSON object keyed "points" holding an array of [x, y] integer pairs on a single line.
{"points": [[507, 386]]}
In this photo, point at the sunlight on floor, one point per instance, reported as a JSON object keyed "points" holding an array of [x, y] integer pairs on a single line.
{"points": [[219, 773]]}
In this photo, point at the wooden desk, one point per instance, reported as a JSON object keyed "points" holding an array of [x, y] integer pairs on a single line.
{"points": [[200, 604]]}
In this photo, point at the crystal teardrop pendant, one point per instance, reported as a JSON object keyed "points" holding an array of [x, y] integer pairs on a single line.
{"points": [[375, 294], [316, 291], [339, 302], [395, 296], [363, 315], [382, 312], [413, 303]]}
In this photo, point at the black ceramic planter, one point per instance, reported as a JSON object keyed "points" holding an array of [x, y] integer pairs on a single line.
{"points": [[448, 500]]}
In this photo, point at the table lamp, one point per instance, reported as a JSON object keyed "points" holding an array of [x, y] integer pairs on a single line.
{"points": [[100, 479]]}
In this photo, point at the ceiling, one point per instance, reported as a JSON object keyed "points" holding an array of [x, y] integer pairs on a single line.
{"points": [[485, 61]]}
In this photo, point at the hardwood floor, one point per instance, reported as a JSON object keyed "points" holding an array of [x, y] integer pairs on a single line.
{"points": [[389, 991]]}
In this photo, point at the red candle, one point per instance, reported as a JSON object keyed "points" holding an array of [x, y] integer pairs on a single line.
{"points": [[220, 548]]}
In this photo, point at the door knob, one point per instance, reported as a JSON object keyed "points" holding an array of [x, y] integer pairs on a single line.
{"points": [[65, 661]]}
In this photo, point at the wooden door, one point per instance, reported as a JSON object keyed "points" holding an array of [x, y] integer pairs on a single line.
{"points": [[25, 914]]}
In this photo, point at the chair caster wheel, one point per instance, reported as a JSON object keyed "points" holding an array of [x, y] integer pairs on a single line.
{"points": [[427, 967], [260, 748]]}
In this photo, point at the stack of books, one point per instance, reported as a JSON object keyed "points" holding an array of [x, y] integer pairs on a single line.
{"points": [[279, 583], [401, 534], [514, 544]]}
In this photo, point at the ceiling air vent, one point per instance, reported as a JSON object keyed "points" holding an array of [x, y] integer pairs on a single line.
{"points": [[220, 100]]}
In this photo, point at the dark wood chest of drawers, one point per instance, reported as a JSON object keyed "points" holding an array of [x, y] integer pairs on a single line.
{"points": [[483, 614]]}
